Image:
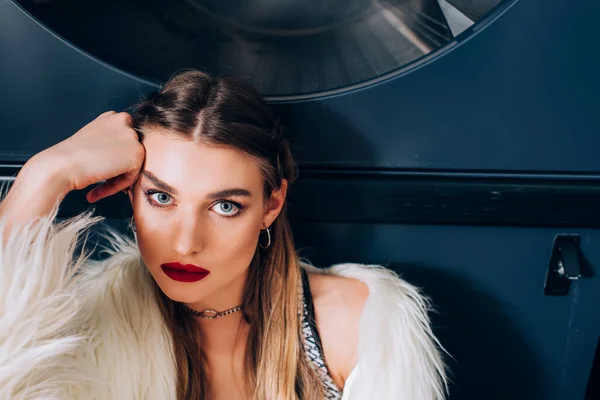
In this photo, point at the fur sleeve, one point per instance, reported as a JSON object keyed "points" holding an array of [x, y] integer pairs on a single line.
{"points": [[398, 356], [131, 350], [38, 308]]}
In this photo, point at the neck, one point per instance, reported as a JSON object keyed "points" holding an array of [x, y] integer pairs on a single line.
{"points": [[224, 299], [223, 336]]}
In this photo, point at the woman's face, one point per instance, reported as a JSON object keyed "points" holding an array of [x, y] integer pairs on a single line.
{"points": [[199, 205]]}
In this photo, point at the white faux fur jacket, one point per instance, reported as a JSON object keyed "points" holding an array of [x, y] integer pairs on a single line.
{"points": [[72, 328]]}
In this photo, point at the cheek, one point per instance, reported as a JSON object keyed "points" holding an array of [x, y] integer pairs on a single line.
{"points": [[151, 239], [234, 240], [151, 230]]}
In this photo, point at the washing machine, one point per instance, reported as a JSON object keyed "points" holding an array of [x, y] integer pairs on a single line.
{"points": [[453, 141]]}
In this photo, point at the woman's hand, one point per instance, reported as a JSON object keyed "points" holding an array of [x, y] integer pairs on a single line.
{"points": [[107, 149]]}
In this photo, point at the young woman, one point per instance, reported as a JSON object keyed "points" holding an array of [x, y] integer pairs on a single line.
{"points": [[210, 300]]}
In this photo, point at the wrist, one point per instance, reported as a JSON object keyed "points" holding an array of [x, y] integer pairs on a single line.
{"points": [[37, 192], [48, 175]]}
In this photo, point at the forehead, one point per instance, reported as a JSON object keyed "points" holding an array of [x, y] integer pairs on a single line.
{"points": [[189, 166]]}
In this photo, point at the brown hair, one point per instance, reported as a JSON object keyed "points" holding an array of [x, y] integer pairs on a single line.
{"points": [[229, 112]]}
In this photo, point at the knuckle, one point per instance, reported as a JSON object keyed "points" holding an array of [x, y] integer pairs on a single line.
{"points": [[139, 151], [124, 117], [133, 135], [139, 155]]}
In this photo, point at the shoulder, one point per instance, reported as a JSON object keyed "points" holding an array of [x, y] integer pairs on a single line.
{"points": [[370, 307], [339, 302]]}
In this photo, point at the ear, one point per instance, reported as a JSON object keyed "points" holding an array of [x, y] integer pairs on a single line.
{"points": [[275, 203]]}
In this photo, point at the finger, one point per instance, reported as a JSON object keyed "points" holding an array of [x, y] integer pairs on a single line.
{"points": [[111, 186], [100, 192], [104, 114]]}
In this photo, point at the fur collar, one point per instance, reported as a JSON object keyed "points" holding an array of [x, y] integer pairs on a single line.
{"points": [[94, 331]]}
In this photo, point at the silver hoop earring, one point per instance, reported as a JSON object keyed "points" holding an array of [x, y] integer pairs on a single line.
{"points": [[132, 224], [268, 239]]}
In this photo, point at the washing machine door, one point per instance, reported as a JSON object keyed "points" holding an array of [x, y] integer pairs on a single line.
{"points": [[287, 49], [453, 141]]}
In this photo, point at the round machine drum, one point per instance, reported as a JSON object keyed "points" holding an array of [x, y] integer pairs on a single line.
{"points": [[289, 49]]}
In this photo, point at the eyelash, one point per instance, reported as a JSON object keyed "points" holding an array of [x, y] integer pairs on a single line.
{"points": [[148, 193]]}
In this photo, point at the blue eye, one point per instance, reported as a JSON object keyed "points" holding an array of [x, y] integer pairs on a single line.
{"points": [[227, 208], [161, 198]]}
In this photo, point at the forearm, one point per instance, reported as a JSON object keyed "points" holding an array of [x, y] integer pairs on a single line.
{"points": [[37, 191]]}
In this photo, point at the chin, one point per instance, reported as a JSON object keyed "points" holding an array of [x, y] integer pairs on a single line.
{"points": [[180, 292]]}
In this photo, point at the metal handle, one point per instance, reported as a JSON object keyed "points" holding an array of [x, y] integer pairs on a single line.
{"points": [[564, 265]]}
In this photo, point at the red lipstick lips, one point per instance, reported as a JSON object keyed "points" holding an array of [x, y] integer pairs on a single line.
{"points": [[184, 272]]}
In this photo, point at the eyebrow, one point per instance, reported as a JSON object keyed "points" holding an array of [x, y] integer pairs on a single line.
{"points": [[233, 192], [162, 185]]}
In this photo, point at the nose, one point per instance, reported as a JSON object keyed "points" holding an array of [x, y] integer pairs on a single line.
{"points": [[188, 235]]}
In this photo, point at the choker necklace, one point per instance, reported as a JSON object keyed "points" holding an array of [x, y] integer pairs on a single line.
{"points": [[211, 314]]}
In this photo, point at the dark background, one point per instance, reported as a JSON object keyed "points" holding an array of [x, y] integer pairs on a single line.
{"points": [[457, 169]]}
